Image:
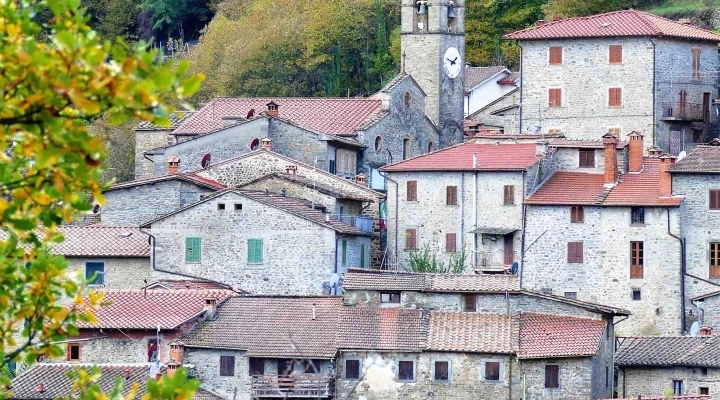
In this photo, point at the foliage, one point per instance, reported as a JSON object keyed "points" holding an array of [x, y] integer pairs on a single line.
{"points": [[555, 9], [172, 16], [425, 261], [51, 88], [114, 18], [120, 144]]}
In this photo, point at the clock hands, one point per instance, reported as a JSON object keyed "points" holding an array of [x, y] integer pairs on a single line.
{"points": [[452, 62]]}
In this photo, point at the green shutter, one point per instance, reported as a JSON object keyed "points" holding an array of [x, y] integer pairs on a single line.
{"points": [[258, 251], [192, 249], [344, 252], [362, 256], [255, 251]]}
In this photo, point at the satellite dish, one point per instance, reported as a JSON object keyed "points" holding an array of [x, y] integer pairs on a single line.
{"points": [[695, 329], [205, 161], [681, 155]]}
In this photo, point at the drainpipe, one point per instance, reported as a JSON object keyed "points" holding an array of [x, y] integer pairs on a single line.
{"points": [[155, 268], [624, 380], [397, 197], [682, 274], [653, 97], [475, 217], [337, 241], [521, 93], [462, 213], [522, 235]]}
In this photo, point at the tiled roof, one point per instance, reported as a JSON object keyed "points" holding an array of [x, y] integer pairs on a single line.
{"points": [[102, 241], [669, 351], [175, 119], [614, 24], [584, 144], [594, 307], [704, 159], [58, 385], [547, 336], [168, 284], [325, 115], [203, 394], [267, 326], [186, 177], [510, 79], [581, 188], [369, 279], [309, 183], [471, 332], [477, 75], [490, 157], [150, 309], [705, 296], [397, 80], [374, 328], [686, 397]]}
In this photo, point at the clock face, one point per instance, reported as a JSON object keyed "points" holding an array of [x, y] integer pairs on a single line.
{"points": [[452, 62]]}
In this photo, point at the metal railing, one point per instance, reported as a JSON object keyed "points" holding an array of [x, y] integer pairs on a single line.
{"points": [[674, 111], [311, 385], [361, 222]]}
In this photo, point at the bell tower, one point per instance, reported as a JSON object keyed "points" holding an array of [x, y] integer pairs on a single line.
{"points": [[433, 52]]}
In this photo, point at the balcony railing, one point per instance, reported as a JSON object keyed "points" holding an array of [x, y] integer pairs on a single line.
{"points": [[291, 386], [676, 111], [491, 260], [361, 222]]}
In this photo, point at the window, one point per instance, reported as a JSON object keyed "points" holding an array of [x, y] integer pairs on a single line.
{"points": [[221, 206], [637, 215], [192, 250], [406, 148], [555, 56], [715, 260], [636, 294], [255, 251], [238, 207], [637, 259], [704, 372], [508, 195], [73, 352], [344, 252], [705, 390], [616, 53], [714, 203], [312, 366], [677, 387], [552, 378], [407, 99], [577, 214], [352, 369], [469, 303], [362, 256], [492, 371], [554, 131], [451, 195], [571, 295], [406, 370], [575, 252], [614, 97], [152, 350], [555, 97], [378, 144], [390, 297], [431, 147], [451, 242], [546, 290], [411, 190], [256, 366], [615, 131], [410, 239], [341, 164], [95, 272], [441, 371], [696, 63], [227, 365], [586, 158]]}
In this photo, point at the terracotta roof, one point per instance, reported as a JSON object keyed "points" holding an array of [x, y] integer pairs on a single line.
{"points": [[582, 188], [548, 336], [477, 75], [272, 326], [471, 332], [704, 159], [510, 79], [325, 115], [175, 119], [370, 279], [58, 385], [490, 157], [102, 241], [396, 81], [168, 284], [516, 136], [185, 177], [686, 397], [309, 183], [614, 24], [203, 394], [150, 309], [375, 328], [669, 351], [584, 144]]}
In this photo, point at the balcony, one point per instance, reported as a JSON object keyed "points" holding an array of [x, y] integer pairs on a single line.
{"points": [[311, 385], [361, 222], [676, 111], [494, 261]]}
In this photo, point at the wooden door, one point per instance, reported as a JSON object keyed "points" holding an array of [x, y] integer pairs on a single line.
{"points": [[706, 107], [509, 250]]}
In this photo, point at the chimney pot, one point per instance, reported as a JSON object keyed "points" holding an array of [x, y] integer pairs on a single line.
{"points": [[610, 168], [127, 374], [665, 184], [158, 376], [177, 351], [210, 308], [635, 162], [705, 331], [654, 152], [361, 179], [173, 163], [266, 143], [172, 367], [272, 109], [41, 387], [540, 22]]}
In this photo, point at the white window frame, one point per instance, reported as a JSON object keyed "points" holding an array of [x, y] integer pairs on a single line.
{"points": [[562, 96]]}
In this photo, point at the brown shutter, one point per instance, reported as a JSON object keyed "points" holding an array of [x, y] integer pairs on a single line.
{"points": [[555, 55], [714, 260], [451, 195], [615, 97], [411, 238], [636, 260], [412, 191], [581, 214], [508, 194], [696, 62], [451, 242], [714, 199], [616, 53], [571, 252], [575, 252], [555, 97]]}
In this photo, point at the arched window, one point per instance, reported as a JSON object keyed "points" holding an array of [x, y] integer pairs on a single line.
{"points": [[254, 144], [407, 99], [378, 144], [431, 147]]}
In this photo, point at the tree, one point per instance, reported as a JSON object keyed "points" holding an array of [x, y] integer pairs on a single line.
{"points": [[555, 9], [51, 162]]}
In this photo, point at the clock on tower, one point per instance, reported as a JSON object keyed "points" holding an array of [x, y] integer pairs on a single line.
{"points": [[433, 42]]}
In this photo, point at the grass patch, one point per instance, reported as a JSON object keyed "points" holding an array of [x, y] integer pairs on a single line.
{"points": [[675, 6]]}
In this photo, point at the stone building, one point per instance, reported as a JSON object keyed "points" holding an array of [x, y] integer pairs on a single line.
{"points": [[486, 85], [465, 200], [260, 242], [501, 115], [613, 53], [149, 136], [610, 238], [685, 365]]}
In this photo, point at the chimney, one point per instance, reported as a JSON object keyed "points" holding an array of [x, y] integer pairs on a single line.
{"points": [[210, 308], [635, 162], [41, 387], [654, 152], [127, 374], [610, 144], [266, 143], [172, 367], [291, 169], [177, 351], [314, 311], [361, 180], [705, 331], [666, 162], [541, 147], [272, 109], [173, 163]]}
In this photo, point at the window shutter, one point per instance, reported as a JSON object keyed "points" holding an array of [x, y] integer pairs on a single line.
{"points": [[258, 250], [555, 55], [571, 252], [410, 238], [555, 97], [192, 249], [188, 249], [715, 260], [616, 53], [412, 191], [715, 199], [579, 252], [450, 242], [615, 97], [451, 195]]}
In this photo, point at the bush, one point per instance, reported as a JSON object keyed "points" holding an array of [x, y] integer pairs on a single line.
{"points": [[425, 261]]}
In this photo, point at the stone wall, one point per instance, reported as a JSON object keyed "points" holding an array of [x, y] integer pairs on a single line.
{"points": [[485, 115], [604, 276], [646, 381], [144, 141], [569, 159], [118, 347], [575, 379], [120, 273], [292, 189]]}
